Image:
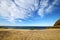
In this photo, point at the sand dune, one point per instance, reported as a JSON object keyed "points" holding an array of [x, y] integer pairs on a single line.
{"points": [[14, 34]]}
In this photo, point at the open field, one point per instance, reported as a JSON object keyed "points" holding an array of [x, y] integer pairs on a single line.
{"points": [[20, 34]]}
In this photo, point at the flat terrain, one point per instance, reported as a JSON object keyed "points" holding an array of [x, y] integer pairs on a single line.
{"points": [[21, 34]]}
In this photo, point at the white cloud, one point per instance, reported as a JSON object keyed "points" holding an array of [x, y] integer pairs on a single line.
{"points": [[23, 9], [45, 7], [50, 8], [43, 3], [41, 12], [10, 10]]}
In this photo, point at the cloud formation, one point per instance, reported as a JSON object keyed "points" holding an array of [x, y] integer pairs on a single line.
{"points": [[51, 6], [13, 9], [45, 7]]}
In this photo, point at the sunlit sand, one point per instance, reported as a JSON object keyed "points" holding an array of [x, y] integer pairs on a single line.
{"points": [[22, 34]]}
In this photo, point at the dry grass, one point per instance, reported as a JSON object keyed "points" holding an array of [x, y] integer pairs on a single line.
{"points": [[13, 34]]}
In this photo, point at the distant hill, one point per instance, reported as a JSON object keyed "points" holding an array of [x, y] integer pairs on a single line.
{"points": [[57, 23]]}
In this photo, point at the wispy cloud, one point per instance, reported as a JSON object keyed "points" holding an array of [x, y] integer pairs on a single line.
{"points": [[45, 7], [50, 8], [11, 10], [41, 12]]}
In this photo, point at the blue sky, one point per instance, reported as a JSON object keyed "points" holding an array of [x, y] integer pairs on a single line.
{"points": [[29, 12]]}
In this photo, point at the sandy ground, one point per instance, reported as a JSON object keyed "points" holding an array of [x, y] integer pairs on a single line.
{"points": [[21, 34]]}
